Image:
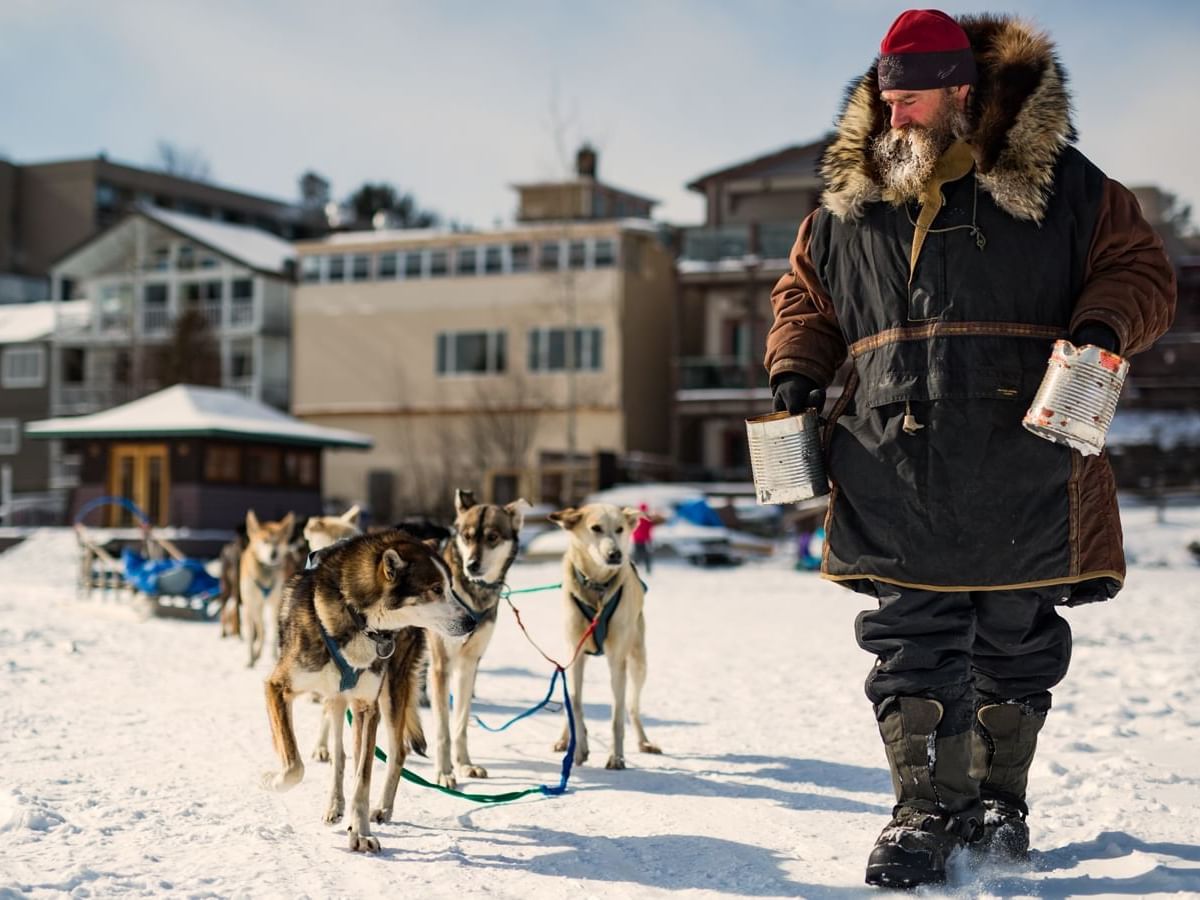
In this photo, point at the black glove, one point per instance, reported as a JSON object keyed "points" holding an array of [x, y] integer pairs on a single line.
{"points": [[1098, 334], [795, 393]]}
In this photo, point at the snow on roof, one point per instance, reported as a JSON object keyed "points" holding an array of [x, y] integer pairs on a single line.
{"points": [[256, 248], [1165, 429], [23, 322], [197, 411]]}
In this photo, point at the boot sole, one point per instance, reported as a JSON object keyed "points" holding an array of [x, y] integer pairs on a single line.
{"points": [[902, 877]]}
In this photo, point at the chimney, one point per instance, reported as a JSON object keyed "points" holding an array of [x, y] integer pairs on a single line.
{"points": [[585, 161]]}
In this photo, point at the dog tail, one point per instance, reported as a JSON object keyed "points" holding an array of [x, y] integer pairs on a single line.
{"points": [[414, 734]]}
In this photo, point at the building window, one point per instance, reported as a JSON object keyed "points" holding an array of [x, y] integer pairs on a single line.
{"points": [[548, 258], [471, 352], [604, 253], [159, 259], [241, 359], [388, 265], [577, 254], [412, 264], [521, 257], [300, 468], [208, 261], [337, 268], [360, 268], [197, 291], [464, 263], [262, 465], [310, 268], [222, 462], [243, 289], [493, 260], [23, 367], [438, 263], [185, 260], [74, 365], [10, 436], [154, 308], [548, 349]]}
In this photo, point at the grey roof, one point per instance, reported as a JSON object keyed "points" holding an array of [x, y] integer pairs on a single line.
{"points": [[186, 410]]}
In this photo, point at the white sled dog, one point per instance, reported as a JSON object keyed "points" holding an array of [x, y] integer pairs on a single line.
{"points": [[479, 555], [260, 579], [599, 580]]}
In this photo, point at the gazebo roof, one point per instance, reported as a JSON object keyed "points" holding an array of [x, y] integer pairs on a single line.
{"points": [[186, 410]]}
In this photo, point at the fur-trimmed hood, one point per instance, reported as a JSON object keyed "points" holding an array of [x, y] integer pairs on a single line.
{"points": [[1020, 115]]}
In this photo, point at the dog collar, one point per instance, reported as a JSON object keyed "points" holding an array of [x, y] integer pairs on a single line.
{"points": [[265, 588], [349, 674], [476, 616], [601, 616], [600, 587]]}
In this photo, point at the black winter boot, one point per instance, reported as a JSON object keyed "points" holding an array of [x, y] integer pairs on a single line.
{"points": [[936, 779], [1009, 733]]}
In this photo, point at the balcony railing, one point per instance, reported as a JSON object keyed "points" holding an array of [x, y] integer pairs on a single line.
{"points": [[241, 315], [714, 373], [78, 399], [767, 240], [156, 321]]}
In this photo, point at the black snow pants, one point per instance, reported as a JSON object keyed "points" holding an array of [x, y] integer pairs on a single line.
{"points": [[963, 647]]}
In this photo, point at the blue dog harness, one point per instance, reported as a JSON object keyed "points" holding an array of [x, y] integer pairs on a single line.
{"points": [[605, 611]]}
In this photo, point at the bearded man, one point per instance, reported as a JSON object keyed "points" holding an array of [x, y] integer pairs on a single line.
{"points": [[960, 235]]}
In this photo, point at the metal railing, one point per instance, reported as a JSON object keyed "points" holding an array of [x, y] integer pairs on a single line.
{"points": [[698, 373]]}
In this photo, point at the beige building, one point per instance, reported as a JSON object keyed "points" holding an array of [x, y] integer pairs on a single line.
{"points": [[453, 351]]}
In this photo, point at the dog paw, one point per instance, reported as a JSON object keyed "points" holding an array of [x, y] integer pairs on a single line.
{"points": [[560, 746], [615, 762], [466, 772], [282, 781], [447, 780], [321, 753], [334, 813], [581, 756], [381, 815], [363, 843], [647, 747]]}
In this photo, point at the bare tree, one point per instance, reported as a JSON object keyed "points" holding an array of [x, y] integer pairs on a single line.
{"points": [[191, 356], [503, 424], [182, 162]]}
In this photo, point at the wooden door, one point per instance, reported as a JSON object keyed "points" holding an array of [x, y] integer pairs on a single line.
{"points": [[140, 473]]}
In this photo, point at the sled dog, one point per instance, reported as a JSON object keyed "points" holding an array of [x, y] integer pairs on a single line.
{"points": [[229, 597], [261, 578], [353, 633], [479, 554], [322, 531], [599, 580]]}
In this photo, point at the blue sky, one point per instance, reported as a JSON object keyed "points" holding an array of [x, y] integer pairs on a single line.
{"points": [[457, 101]]}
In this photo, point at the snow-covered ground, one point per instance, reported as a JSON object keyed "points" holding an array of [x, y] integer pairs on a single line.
{"points": [[131, 751]]}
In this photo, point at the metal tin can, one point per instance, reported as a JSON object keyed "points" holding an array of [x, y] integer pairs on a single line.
{"points": [[785, 457], [1078, 397]]}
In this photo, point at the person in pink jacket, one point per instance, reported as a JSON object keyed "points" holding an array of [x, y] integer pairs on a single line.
{"points": [[643, 539]]}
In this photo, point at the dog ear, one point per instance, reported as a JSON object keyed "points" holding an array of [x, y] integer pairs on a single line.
{"points": [[463, 500], [252, 522], [516, 509], [391, 565], [633, 516], [350, 516], [287, 524], [566, 518], [434, 544]]}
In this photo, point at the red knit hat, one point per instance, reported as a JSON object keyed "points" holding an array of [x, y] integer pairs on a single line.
{"points": [[924, 49]]}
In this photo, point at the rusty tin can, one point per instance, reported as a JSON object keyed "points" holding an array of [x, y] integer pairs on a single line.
{"points": [[1078, 397]]}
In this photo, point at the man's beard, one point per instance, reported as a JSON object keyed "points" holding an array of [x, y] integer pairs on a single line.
{"points": [[905, 156]]}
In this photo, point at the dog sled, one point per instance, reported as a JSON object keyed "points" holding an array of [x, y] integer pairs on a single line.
{"points": [[157, 576]]}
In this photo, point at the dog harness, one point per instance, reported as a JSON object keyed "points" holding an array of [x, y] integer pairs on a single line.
{"points": [[385, 646]]}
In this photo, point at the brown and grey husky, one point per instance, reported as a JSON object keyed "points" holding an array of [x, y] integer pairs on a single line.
{"points": [[599, 580], [483, 547], [353, 632], [261, 578]]}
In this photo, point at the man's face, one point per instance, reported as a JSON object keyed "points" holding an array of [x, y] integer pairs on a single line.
{"points": [[922, 108], [923, 125]]}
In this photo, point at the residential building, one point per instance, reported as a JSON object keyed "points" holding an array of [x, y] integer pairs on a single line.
{"points": [[46, 209], [502, 361], [726, 270], [583, 198], [138, 278], [27, 494]]}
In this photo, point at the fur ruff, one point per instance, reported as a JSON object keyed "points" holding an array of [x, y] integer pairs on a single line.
{"points": [[1020, 114]]}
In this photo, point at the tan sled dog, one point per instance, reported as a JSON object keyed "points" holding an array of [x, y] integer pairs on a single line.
{"points": [[599, 579], [321, 531], [261, 579], [353, 634], [479, 554]]}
